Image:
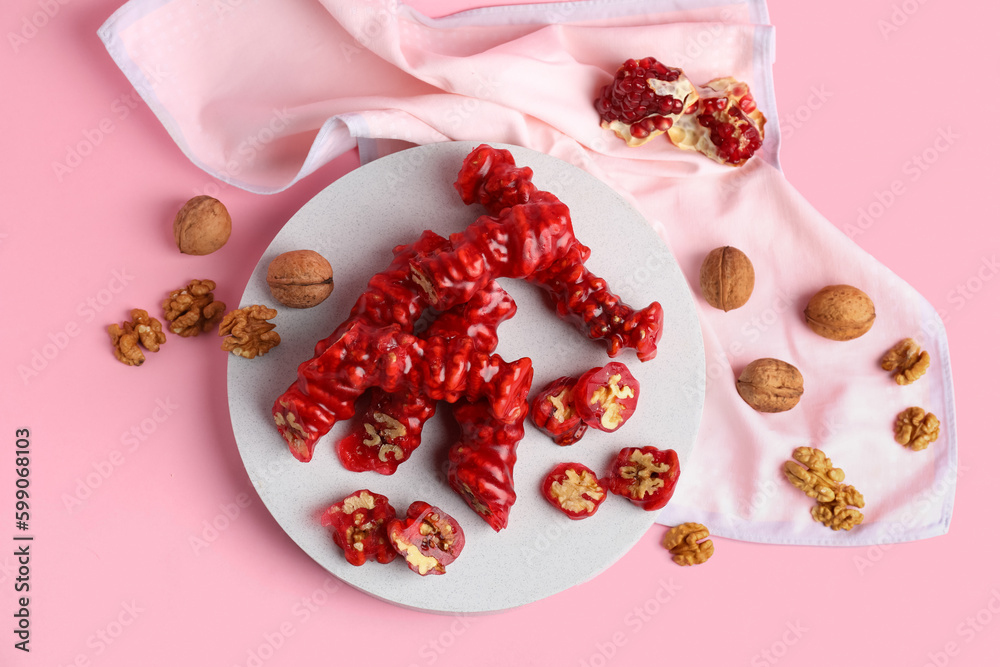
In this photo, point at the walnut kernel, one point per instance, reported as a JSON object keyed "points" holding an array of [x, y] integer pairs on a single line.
{"points": [[202, 226], [193, 309], [907, 360], [770, 385], [837, 514], [141, 330], [727, 278], [683, 542], [577, 493], [840, 312], [300, 278], [817, 478], [248, 333], [916, 428]]}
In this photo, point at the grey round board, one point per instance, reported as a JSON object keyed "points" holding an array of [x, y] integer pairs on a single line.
{"points": [[355, 223]]}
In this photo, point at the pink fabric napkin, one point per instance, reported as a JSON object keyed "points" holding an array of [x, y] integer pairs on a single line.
{"points": [[262, 94]]}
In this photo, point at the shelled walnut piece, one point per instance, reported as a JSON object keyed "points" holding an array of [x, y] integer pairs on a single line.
{"points": [[907, 360], [142, 330], [817, 478], [193, 310], [916, 428], [683, 542], [248, 332]]}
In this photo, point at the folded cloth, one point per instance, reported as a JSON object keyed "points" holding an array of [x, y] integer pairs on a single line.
{"points": [[262, 94]]}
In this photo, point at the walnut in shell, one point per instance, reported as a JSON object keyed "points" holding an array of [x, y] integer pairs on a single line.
{"points": [[727, 278], [202, 226], [300, 278], [840, 312], [770, 385]]}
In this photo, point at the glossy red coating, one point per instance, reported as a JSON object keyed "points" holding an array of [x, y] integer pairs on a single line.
{"points": [[606, 396], [428, 538], [646, 476], [553, 412], [358, 523]]}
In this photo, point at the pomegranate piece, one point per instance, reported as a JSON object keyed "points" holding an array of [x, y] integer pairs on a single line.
{"points": [[725, 124], [644, 100]]}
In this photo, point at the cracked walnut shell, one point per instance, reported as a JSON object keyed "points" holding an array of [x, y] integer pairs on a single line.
{"points": [[916, 428], [726, 278], [683, 542], [770, 385], [142, 330], [193, 309], [907, 360], [248, 332]]}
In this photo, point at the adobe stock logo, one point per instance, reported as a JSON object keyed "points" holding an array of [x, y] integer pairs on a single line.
{"points": [[31, 25]]}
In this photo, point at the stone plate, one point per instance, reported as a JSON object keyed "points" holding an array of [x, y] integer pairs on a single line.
{"points": [[355, 223]]}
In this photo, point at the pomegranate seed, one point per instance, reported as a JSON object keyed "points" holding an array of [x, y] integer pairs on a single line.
{"points": [[632, 101], [662, 123]]}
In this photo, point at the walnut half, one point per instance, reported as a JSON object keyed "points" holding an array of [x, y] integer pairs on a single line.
{"points": [[906, 361], [916, 428], [683, 542], [193, 309], [813, 473], [248, 332], [142, 330]]}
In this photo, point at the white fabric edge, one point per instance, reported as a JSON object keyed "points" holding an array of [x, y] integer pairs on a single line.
{"points": [[545, 12], [758, 12], [763, 85]]}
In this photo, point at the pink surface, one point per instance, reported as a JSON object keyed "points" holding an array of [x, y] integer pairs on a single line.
{"points": [[132, 467]]}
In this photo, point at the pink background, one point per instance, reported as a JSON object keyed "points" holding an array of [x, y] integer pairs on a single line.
{"points": [[117, 577]]}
